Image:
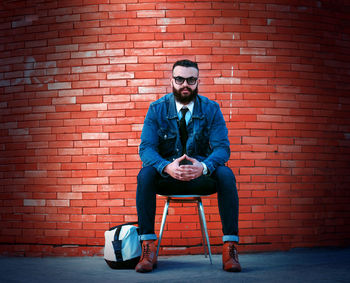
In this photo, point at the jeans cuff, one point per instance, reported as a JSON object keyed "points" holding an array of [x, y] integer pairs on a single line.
{"points": [[147, 237], [230, 238]]}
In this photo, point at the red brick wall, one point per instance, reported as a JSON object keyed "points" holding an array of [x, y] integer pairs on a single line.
{"points": [[76, 79]]}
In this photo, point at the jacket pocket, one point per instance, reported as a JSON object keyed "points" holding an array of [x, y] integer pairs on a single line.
{"points": [[167, 143]]}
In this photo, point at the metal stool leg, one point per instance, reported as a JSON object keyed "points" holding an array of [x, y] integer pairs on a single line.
{"points": [[165, 213], [202, 215], [202, 230]]}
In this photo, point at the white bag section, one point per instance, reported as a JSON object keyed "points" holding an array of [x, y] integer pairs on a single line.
{"points": [[131, 247]]}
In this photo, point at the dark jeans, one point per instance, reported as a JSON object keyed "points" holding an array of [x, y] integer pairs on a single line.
{"points": [[222, 181]]}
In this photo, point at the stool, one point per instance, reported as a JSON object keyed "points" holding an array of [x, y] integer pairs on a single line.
{"points": [[187, 198]]}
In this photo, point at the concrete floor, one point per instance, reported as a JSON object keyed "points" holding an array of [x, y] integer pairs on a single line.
{"points": [[299, 265]]}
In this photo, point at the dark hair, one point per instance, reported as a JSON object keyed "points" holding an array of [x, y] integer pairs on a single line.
{"points": [[186, 63]]}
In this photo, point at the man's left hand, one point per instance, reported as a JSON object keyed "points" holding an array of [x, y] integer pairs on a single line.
{"points": [[190, 172]]}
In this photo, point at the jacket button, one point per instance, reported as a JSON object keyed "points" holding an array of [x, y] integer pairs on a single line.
{"points": [[165, 136]]}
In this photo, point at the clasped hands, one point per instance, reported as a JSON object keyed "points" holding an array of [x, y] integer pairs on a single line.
{"points": [[184, 172]]}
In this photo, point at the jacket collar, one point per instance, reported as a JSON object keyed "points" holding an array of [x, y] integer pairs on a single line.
{"points": [[197, 108]]}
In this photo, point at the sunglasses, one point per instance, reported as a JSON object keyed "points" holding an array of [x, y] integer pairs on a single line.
{"points": [[180, 80]]}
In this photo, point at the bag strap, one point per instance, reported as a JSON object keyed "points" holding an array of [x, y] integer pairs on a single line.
{"points": [[127, 223], [117, 244]]}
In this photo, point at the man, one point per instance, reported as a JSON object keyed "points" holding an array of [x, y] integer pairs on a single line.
{"points": [[184, 148]]}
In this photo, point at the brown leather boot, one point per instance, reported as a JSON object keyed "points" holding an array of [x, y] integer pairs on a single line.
{"points": [[230, 258], [148, 259]]}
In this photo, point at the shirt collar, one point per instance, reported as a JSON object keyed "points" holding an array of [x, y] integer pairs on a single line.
{"points": [[180, 105]]}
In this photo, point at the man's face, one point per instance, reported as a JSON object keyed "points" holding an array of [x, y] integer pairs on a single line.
{"points": [[187, 90]]}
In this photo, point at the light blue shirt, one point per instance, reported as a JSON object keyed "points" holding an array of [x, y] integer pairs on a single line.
{"points": [[189, 112]]}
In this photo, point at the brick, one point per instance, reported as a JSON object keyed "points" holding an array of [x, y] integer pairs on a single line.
{"points": [[120, 75], [109, 203], [34, 202], [96, 180], [89, 136], [150, 14], [66, 85], [90, 107], [69, 195], [57, 203]]}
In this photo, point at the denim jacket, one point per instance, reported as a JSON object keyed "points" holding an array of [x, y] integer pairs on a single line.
{"points": [[207, 134]]}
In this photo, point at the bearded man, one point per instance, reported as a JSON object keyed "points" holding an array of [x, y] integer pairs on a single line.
{"points": [[184, 148]]}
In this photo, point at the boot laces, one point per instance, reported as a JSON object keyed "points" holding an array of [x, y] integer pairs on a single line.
{"points": [[146, 251], [233, 252]]}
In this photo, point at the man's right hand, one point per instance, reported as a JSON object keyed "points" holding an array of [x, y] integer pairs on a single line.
{"points": [[173, 169], [181, 172]]}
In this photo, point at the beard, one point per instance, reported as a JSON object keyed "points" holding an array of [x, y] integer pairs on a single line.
{"points": [[185, 99]]}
